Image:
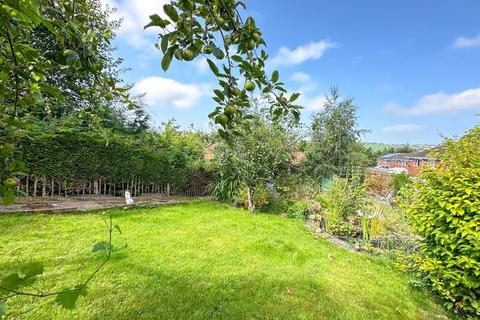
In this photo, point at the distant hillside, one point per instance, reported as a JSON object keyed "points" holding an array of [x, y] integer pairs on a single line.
{"points": [[379, 147]]}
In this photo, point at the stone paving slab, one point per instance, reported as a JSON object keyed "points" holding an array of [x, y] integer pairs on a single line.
{"points": [[84, 203]]}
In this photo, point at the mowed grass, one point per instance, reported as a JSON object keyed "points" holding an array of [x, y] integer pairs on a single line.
{"points": [[203, 260]]}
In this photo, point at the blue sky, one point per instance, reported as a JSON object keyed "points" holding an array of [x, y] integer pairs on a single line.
{"points": [[412, 66]]}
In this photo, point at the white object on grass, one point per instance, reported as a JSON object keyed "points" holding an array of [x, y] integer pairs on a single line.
{"points": [[128, 197]]}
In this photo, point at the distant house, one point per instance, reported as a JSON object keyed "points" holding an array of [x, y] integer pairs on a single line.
{"points": [[407, 162]]}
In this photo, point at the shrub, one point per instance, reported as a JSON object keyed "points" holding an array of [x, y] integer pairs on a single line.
{"points": [[277, 204], [342, 229], [342, 198], [298, 209], [261, 197], [445, 209], [399, 181]]}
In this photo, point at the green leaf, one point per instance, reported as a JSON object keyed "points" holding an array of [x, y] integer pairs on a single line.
{"points": [[2, 308], [12, 282], [164, 44], [171, 12], [32, 270], [213, 67], [237, 58], [167, 58], [117, 227], [68, 299], [219, 94], [156, 21], [294, 96], [275, 76]]}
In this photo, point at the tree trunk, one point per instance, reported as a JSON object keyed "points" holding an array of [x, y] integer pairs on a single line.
{"points": [[65, 187], [27, 187], [35, 184], [168, 189], [251, 203], [44, 187], [52, 191]]}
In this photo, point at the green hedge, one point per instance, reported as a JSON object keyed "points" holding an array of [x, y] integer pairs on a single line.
{"points": [[166, 157], [445, 209]]}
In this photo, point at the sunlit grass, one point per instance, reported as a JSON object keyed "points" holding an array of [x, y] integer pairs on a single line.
{"points": [[204, 261]]}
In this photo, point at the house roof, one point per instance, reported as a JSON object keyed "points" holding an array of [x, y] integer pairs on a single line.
{"points": [[406, 156]]}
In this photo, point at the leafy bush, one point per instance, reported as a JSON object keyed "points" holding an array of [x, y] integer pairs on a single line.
{"points": [[399, 181], [277, 204], [298, 210], [444, 206], [261, 197], [342, 229], [342, 198]]}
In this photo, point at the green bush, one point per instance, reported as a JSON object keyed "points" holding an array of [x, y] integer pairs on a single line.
{"points": [[261, 197], [342, 229], [399, 181], [341, 199], [277, 204], [298, 210], [444, 206]]}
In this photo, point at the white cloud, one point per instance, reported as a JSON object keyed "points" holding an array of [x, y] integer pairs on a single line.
{"points": [[201, 64], [168, 92], [300, 77], [465, 42], [135, 15], [403, 128], [439, 103], [316, 103], [310, 51]]}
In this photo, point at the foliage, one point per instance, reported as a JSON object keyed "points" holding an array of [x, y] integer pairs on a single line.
{"points": [[342, 229], [261, 197], [259, 157], [229, 43], [168, 156], [298, 210], [334, 148], [444, 205], [341, 199], [78, 35], [399, 181], [181, 258], [21, 283]]}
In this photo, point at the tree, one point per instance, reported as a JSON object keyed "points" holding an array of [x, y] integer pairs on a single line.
{"points": [[261, 155], [26, 89], [215, 30], [334, 148]]}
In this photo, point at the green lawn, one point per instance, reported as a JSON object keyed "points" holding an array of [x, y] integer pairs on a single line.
{"points": [[204, 260]]}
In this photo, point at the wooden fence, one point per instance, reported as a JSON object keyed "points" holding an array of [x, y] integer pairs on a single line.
{"points": [[32, 186]]}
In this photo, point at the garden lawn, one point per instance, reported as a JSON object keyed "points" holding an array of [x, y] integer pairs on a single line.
{"points": [[202, 260]]}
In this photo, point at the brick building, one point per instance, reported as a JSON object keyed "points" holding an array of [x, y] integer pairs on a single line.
{"points": [[412, 162]]}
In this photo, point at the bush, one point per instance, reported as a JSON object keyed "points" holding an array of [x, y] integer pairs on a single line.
{"points": [[445, 209], [277, 204], [342, 198], [399, 181], [261, 197], [298, 210], [342, 229]]}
